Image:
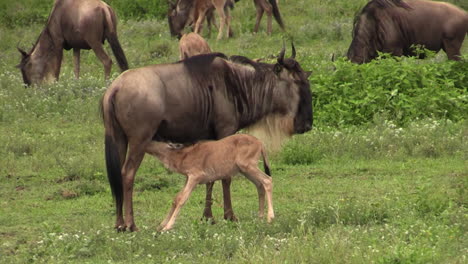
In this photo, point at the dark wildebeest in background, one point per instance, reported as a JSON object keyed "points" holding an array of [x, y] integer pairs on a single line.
{"points": [[394, 26], [209, 161], [271, 8], [72, 24], [192, 44], [203, 97], [186, 12]]}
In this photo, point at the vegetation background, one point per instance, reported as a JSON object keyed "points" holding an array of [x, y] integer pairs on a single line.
{"points": [[381, 178]]}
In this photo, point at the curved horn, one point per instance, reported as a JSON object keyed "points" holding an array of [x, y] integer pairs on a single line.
{"points": [[24, 53], [293, 55], [281, 55]]}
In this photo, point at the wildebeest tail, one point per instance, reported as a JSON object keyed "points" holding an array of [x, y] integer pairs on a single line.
{"points": [[111, 36], [114, 139], [276, 13], [266, 164]]}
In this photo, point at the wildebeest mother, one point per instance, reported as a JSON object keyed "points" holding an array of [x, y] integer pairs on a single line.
{"points": [[203, 97], [393, 26]]}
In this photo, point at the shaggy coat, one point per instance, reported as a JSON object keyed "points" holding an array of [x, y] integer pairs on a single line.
{"points": [[395, 26]]}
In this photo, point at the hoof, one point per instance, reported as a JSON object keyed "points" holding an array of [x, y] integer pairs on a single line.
{"points": [[231, 218], [121, 228]]}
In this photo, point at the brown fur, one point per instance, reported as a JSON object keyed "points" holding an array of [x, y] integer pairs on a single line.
{"points": [[188, 11], [192, 44], [394, 26], [210, 161], [72, 24], [269, 7]]}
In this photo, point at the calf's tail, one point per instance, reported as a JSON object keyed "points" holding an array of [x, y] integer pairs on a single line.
{"points": [[266, 164]]}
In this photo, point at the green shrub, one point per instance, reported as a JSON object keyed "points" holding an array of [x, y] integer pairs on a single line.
{"points": [[402, 88]]}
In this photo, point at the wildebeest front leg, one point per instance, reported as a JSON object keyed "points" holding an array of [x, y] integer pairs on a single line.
{"points": [[260, 11], [452, 48], [228, 212], [179, 201], [76, 62]]}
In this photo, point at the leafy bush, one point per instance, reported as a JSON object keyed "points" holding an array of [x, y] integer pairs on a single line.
{"points": [[401, 88]]}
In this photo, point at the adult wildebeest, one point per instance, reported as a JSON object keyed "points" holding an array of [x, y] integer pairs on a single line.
{"points": [[192, 44], [186, 12], [271, 8], [77, 24], [203, 97], [209, 161], [394, 26]]}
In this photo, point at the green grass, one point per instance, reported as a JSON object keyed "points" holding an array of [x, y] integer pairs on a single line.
{"points": [[372, 183]]}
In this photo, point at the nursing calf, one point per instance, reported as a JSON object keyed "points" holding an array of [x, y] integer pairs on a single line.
{"points": [[209, 161]]}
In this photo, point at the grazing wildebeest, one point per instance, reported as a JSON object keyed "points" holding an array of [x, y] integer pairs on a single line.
{"points": [[192, 44], [271, 8], [203, 97], [394, 26], [186, 12], [210, 161], [72, 24]]}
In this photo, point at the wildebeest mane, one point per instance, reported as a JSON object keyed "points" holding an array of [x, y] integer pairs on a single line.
{"points": [[371, 6], [240, 77], [375, 31]]}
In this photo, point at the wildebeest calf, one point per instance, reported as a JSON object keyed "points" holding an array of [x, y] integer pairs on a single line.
{"points": [[192, 44], [209, 161]]}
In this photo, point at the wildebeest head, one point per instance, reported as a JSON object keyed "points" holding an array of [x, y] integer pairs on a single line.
{"points": [[30, 70], [289, 69], [369, 29], [178, 15]]}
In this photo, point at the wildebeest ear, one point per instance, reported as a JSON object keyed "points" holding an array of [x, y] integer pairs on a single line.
{"points": [[277, 68], [307, 74]]}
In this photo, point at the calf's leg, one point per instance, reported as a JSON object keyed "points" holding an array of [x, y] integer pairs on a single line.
{"points": [[179, 201]]}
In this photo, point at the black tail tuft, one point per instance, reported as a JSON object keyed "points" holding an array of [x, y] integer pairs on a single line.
{"points": [[114, 173], [276, 13], [118, 51]]}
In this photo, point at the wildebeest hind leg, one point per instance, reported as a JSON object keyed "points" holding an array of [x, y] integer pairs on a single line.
{"points": [[259, 17], [135, 155], [103, 57]]}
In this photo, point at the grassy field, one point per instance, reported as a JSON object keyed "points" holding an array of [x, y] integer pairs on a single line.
{"points": [[373, 182]]}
